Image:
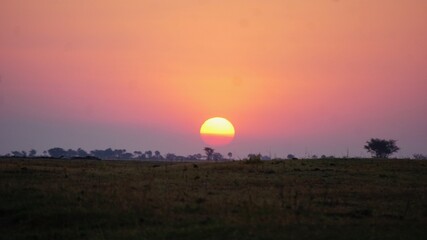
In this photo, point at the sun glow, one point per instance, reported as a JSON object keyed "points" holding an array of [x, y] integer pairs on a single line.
{"points": [[217, 131]]}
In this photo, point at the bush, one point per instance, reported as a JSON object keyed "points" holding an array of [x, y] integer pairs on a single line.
{"points": [[253, 158], [419, 157]]}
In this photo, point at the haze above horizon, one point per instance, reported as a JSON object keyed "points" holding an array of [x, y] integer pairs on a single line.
{"points": [[292, 76]]}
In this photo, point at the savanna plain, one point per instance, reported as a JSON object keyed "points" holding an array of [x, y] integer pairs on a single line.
{"points": [[286, 199]]}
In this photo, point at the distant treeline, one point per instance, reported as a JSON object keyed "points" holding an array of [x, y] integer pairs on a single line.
{"points": [[111, 154], [123, 154], [379, 148]]}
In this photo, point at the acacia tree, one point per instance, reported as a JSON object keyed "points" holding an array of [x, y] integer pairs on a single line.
{"points": [[381, 148], [217, 156], [32, 153], [149, 154], [209, 152]]}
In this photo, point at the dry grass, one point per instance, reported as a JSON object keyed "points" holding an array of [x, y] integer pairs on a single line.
{"points": [[293, 199]]}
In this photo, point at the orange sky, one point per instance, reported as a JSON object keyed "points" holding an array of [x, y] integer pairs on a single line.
{"points": [[294, 76]]}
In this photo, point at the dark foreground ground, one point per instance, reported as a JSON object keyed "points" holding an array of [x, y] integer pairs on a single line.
{"points": [[296, 199]]}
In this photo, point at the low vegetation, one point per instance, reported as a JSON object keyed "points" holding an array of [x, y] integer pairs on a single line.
{"points": [[289, 199]]}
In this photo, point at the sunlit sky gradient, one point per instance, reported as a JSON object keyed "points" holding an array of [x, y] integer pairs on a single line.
{"points": [[293, 76]]}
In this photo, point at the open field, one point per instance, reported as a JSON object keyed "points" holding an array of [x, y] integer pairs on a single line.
{"points": [[292, 199]]}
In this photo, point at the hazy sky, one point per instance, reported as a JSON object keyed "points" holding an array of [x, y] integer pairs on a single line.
{"points": [[293, 76]]}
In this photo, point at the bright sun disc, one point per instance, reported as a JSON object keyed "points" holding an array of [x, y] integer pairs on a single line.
{"points": [[217, 131]]}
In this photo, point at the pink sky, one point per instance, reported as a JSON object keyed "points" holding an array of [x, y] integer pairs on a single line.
{"points": [[293, 76]]}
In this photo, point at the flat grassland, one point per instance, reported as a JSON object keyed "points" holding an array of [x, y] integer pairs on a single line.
{"points": [[290, 199]]}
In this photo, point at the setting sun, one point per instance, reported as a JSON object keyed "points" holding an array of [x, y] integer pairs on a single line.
{"points": [[217, 131]]}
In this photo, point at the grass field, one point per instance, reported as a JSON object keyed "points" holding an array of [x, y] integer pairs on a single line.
{"points": [[291, 199]]}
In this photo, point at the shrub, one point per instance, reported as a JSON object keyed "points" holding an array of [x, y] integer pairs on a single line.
{"points": [[254, 158]]}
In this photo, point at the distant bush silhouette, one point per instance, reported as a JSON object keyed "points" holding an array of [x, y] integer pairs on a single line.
{"points": [[157, 155], [419, 157], [254, 158], [217, 156], [19, 154], [86, 158], [32, 153], [115, 154], [381, 148], [149, 154], [57, 152]]}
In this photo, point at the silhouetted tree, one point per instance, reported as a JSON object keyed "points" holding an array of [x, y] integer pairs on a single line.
{"points": [[291, 156], [139, 155], [217, 156], [57, 152], [381, 148], [32, 153], [81, 153], [111, 154], [157, 155], [71, 153], [103, 154], [193, 157], [19, 154], [230, 154], [170, 157], [198, 156], [126, 155], [149, 154], [209, 152]]}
